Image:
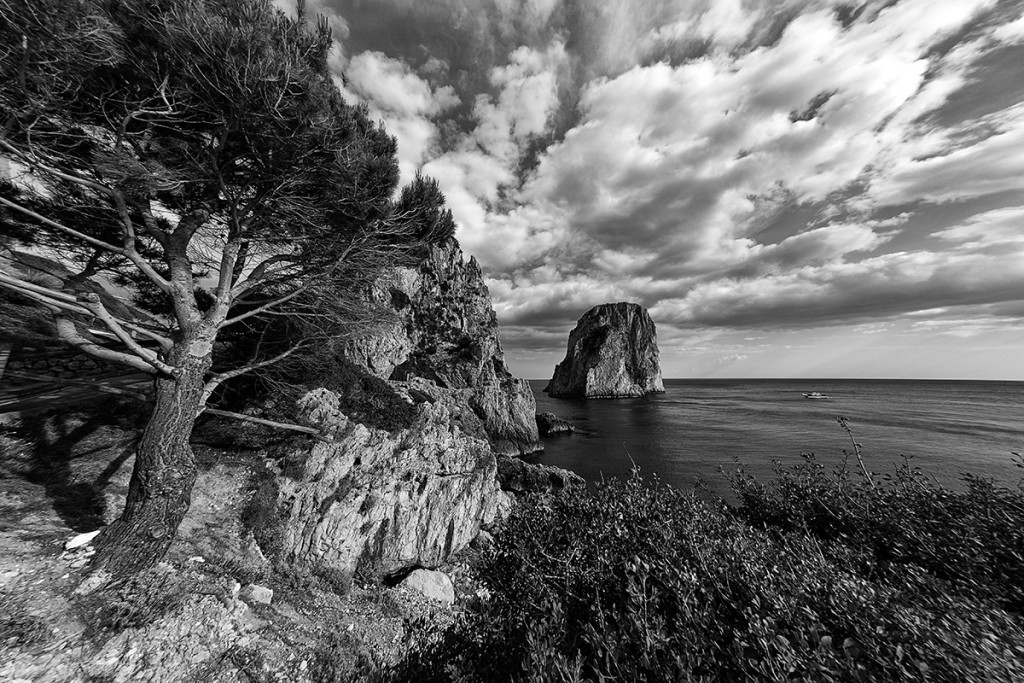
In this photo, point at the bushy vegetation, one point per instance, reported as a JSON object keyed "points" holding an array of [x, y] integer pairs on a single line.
{"points": [[973, 539], [341, 658], [261, 515], [363, 397], [811, 577]]}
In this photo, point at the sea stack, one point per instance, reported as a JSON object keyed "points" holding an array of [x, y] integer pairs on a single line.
{"points": [[612, 353]]}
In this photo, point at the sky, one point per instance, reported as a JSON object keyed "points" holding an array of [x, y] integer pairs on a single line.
{"points": [[792, 188]]}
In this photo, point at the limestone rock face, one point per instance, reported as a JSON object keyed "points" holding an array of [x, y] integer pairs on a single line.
{"points": [[382, 502], [445, 330], [612, 353]]}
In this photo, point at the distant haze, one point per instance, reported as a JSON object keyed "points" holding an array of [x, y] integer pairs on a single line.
{"points": [[793, 188]]}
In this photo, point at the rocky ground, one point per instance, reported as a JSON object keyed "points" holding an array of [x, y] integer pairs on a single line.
{"points": [[201, 615]]}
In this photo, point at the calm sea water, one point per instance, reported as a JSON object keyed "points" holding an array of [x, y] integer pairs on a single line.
{"points": [[948, 427]]}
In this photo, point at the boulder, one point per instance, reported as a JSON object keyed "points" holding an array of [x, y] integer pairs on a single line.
{"points": [[382, 502], [432, 584], [612, 353], [549, 423], [445, 330], [519, 476], [257, 593]]}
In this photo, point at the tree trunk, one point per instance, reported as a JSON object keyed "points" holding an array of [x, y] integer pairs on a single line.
{"points": [[165, 471]]}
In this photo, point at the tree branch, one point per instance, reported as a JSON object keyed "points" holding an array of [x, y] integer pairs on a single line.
{"points": [[164, 342], [94, 304], [70, 177], [229, 256], [129, 245], [267, 306], [38, 291], [260, 273], [150, 224], [69, 333], [67, 302], [63, 228], [219, 378], [128, 252], [79, 383], [269, 423]]}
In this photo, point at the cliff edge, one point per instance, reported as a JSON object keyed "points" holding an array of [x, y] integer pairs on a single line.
{"points": [[612, 353]]}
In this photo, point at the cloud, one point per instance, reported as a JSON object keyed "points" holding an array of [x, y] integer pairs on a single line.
{"points": [[997, 228], [820, 245], [978, 158], [392, 87], [1010, 33], [488, 158], [401, 98], [875, 288]]}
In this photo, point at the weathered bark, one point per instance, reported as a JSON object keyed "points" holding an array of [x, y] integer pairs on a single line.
{"points": [[165, 470]]}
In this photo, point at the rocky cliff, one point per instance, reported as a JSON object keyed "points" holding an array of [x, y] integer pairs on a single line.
{"points": [[381, 502], [445, 330], [612, 353]]}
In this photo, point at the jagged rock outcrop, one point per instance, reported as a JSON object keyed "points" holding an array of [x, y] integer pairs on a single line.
{"points": [[446, 331], [549, 423], [381, 502], [612, 353]]}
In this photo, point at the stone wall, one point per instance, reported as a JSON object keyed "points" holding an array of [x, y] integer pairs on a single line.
{"points": [[53, 364]]}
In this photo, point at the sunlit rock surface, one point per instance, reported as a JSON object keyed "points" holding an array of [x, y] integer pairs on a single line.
{"points": [[381, 502]]}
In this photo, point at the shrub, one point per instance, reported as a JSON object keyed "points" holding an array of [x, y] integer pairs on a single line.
{"points": [[635, 581], [973, 538], [341, 658], [366, 398], [361, 396], [261, 514]]}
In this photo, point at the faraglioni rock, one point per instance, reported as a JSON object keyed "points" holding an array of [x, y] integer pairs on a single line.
{"points": [[612, 353]]}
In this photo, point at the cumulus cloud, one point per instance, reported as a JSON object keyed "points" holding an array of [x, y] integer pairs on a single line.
{"points": [[487, 160], [403, 100], [392, 87]]}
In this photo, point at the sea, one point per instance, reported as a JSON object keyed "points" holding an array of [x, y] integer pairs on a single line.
{"points": [[698, 426]]}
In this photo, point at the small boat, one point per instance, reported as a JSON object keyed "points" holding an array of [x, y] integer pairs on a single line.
{"points": [[815, 394]]}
